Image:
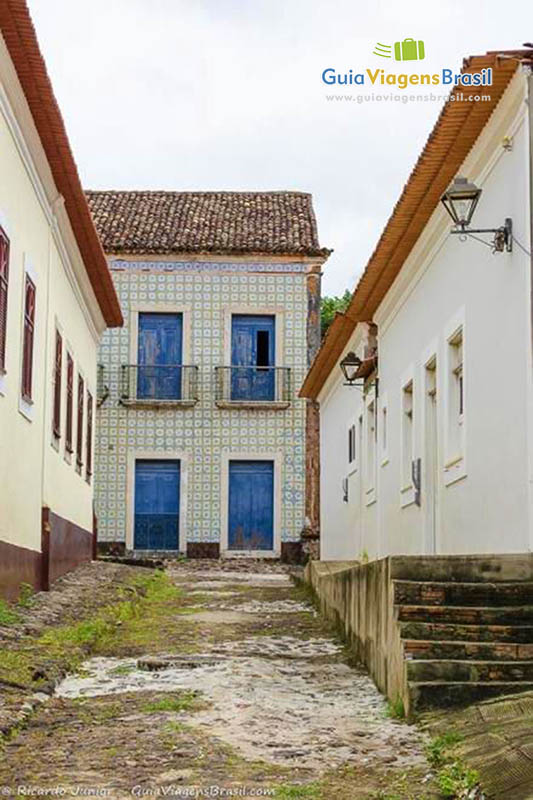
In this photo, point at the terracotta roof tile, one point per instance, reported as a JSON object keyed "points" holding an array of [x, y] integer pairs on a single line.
{"points": [[158, 222], [19, 35]]}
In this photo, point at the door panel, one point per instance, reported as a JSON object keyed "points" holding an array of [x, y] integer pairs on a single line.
{"points": [[251, 505], [159, 353], [157, 504], [253, 347]]}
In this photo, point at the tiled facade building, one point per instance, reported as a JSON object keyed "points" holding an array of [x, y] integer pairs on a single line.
{"points": [[201, 437]]}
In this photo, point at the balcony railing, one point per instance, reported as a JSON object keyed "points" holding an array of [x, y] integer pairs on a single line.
{"points": [[168, 385], [259, 387]]}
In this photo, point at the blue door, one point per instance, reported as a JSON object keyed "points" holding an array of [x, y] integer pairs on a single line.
{"points": [[159, 356], [253, 351], [251, 505], [157, 505]]}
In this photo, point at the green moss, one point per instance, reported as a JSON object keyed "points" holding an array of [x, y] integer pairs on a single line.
{"points": [[310, 791], [183, 701], [26, 595], [8, 615]]}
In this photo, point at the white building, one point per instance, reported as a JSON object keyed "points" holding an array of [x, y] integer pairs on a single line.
{"points": [[56, 299], [434, 452]]}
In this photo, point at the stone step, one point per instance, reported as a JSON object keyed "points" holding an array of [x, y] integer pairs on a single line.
{"points": [[438, 694], [426, 593], [469, 671], [420, 649], [451, 632], [466, 615], [478, 568]]}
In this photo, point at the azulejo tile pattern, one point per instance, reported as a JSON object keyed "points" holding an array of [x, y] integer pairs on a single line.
{"points": [[203, 431]]}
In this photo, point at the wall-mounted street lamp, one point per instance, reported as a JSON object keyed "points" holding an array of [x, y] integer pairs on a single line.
{"points": [[355, 376], [460, 201], [350, 365]]}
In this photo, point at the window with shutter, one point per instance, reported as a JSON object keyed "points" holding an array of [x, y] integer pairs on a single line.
{"points": [[4, 279], [70, 401], [79, 437], [56, 425], [89, 466], [29, 332]]}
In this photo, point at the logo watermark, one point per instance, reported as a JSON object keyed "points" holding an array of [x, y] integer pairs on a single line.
{"points": [[406, 50]]}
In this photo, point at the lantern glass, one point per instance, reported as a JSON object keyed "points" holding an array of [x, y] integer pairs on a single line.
{"points": [[460, 201], [349, 365]]}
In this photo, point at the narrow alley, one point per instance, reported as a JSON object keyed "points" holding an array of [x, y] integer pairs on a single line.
{"points": [[209, 679]]}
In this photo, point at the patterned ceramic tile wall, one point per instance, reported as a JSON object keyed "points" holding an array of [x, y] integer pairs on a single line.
{"points": [[203, 431]]}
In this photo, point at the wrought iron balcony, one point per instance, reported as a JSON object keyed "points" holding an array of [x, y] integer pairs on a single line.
{"points": [[168, 385], [253, 387]]}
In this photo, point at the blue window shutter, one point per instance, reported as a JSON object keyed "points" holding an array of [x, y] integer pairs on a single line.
{"points": [[253, 348], [160, 343]]}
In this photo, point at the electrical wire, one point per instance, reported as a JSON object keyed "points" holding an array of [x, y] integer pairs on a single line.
{"points": [[521, 246]]}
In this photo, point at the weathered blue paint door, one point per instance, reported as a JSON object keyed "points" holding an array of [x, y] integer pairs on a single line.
{"points": [[157, 505], [159, 356], [251, 505], [253, 350]]}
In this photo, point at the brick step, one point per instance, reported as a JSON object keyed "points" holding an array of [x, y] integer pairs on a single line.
{"points": [[464, 651], [438, 694], [466, 615], [431, 593], [470, 671], [451, 632]]}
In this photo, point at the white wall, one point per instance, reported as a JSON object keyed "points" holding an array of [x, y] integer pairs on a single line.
{"points": [[32, 471], [341, 520], [483, 498]]}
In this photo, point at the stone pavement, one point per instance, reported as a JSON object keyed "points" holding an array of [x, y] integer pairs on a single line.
{"points": [[228, 678]]}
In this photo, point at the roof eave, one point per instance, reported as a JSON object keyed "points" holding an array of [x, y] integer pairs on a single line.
{"points": [[21, 41]]}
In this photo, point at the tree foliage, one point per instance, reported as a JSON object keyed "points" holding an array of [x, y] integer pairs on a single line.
{"points": [[330, 306]]}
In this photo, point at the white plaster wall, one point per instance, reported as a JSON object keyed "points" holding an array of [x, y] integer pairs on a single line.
{"points": [[32, 472], [340, 521], [483, 502]]}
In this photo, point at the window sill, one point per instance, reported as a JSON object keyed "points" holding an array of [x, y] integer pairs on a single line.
{"points": [[407, 496], [454, 470], [145, 403], [26, 409], [370, 496], [265, 405]]}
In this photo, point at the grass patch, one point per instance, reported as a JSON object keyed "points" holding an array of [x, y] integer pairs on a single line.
{"points": [[454, 778], [137, 617], [309, 791], [26, 593], [437, 751], [8, 615], [184, 701], [395, 709]]}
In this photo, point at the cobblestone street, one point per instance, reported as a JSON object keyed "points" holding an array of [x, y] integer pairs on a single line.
{"points": [[224, 677]]}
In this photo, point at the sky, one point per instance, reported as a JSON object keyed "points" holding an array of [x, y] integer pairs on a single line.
{"points": [[228, 95]]}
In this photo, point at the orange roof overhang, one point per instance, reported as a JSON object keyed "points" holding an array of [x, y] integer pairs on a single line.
{"points": [[456, 130], [19, 35]]}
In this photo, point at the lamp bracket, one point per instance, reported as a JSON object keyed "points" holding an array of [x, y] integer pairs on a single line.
{"points": [[503, 236]]}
